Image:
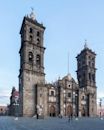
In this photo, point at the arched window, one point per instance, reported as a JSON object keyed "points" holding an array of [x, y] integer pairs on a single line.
{"points": [[89, 63], [52, 93], [69, 94], [38, 33], [93, 77], [31, 30], [38, 59], [38, 41], [31, 38], [90, 76], [92, 64], [30, 57]]}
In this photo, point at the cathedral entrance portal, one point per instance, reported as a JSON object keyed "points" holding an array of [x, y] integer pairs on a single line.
{"points": [[52, 111], [69, 110]]}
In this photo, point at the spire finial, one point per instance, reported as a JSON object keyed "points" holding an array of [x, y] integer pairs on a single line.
{"points": [[32, 9], [85, 45], [68, 62], [32, 15]]}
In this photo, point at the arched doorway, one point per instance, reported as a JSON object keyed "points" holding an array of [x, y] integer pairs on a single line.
{"points": [[83, 113], [69, 110], [52, 111]]}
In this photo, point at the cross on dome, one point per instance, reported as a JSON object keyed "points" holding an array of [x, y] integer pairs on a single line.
{"points": [[85, 45]]}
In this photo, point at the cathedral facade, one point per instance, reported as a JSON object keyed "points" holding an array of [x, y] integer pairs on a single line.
{"points": [[63, 97]]}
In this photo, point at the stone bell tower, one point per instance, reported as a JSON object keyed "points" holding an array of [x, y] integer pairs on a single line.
{"points": [[31, 76], [86, 74]]}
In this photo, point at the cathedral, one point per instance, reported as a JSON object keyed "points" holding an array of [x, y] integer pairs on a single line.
{"points": [[63, 97]]}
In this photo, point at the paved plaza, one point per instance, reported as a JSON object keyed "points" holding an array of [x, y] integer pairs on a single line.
{"points": [[9, 123]]}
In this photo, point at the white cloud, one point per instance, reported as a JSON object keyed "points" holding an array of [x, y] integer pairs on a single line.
{"points": [[5, 93], [4, 97], [3, 104]]}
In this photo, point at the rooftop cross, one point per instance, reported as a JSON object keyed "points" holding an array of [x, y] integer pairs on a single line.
{"points": [[85, 45], [32, 9], [32, 15]]}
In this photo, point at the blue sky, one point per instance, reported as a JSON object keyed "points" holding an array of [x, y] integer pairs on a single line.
{"points": [[68, 23]]}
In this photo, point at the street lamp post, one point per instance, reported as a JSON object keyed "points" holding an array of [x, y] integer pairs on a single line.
{"points": [[16, 103], [76, 104], [64, 102], [100, 105], [74, 100], [101, 110], [16, 108]]}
